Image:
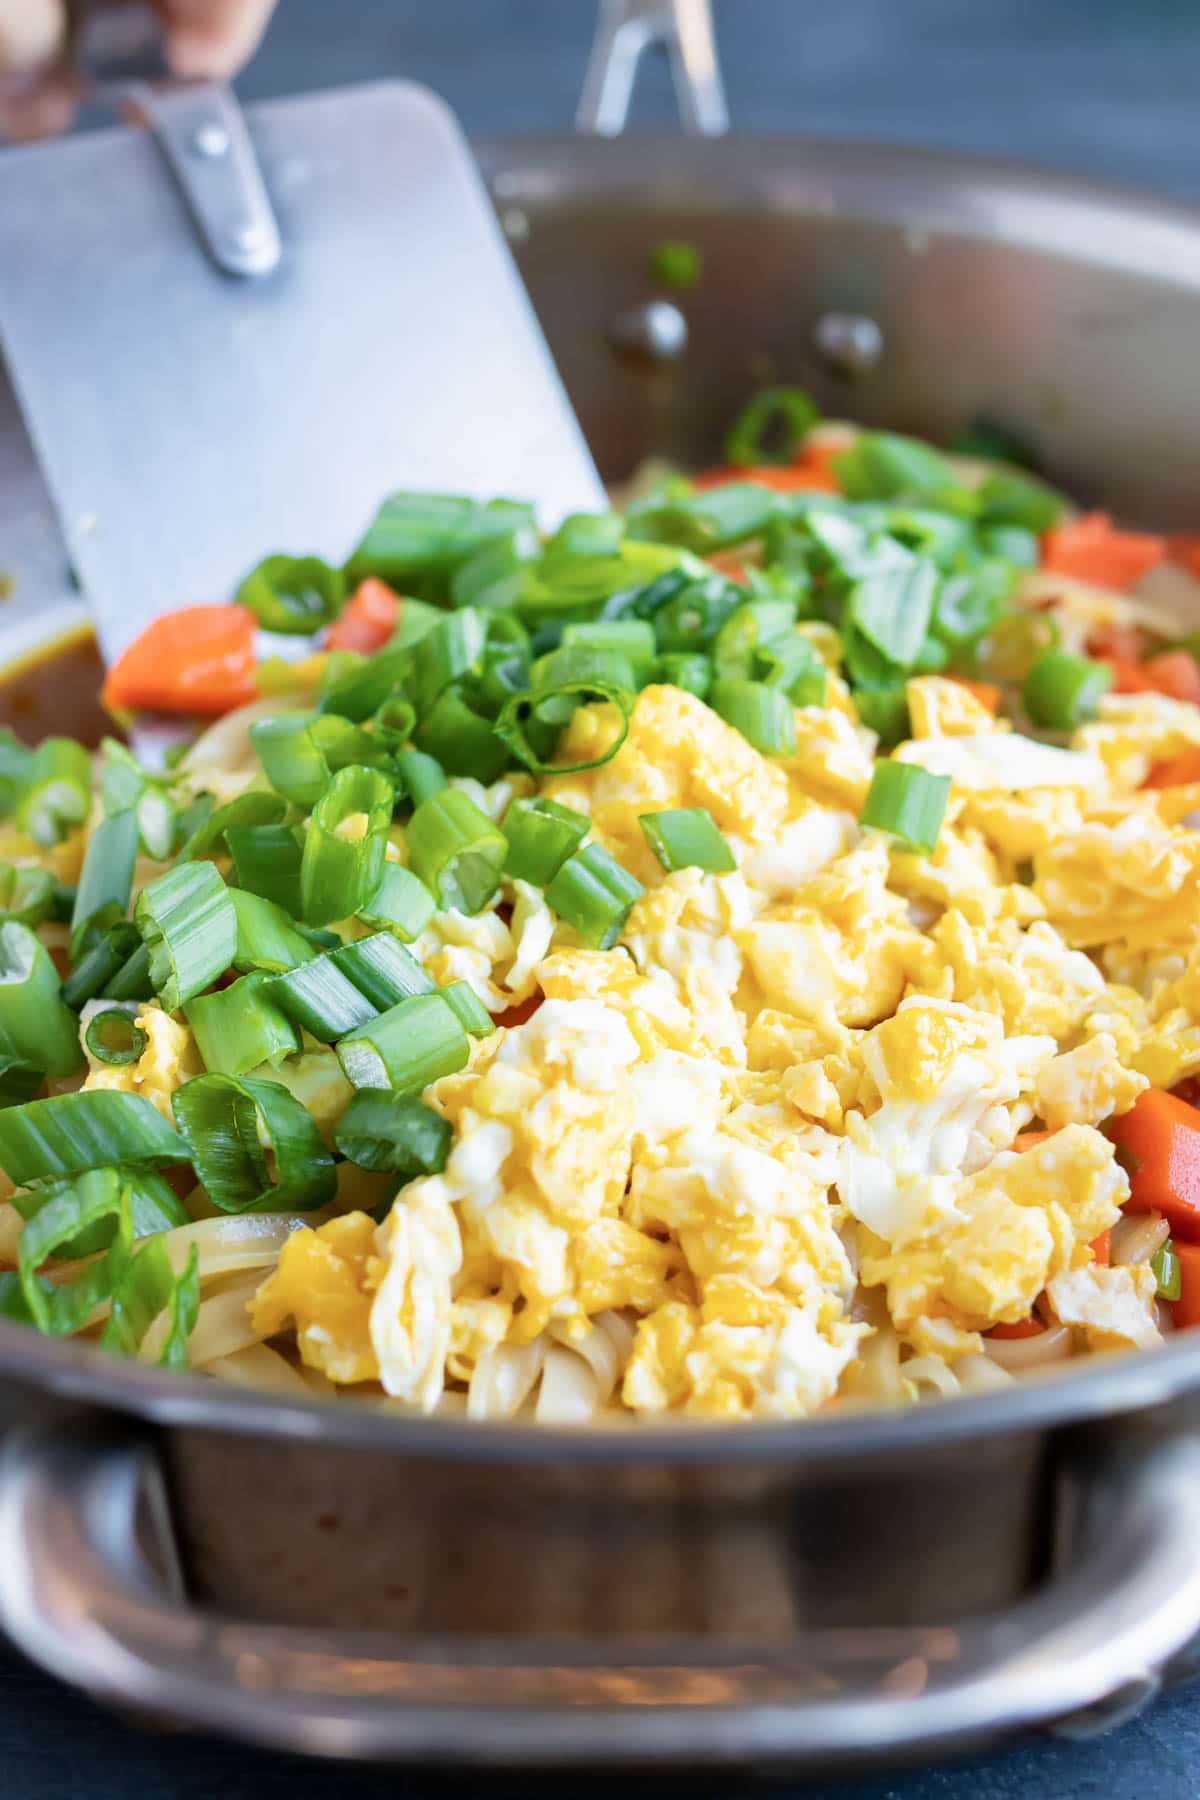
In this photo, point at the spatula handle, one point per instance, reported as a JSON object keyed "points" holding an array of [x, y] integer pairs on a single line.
{"points": [[199, 128], [626, 29]]}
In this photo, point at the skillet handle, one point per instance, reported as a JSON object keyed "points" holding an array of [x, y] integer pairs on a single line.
{"points": [[625, 30], [77, 1597]]}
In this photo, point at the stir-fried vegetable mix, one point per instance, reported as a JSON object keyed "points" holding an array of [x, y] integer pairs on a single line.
{"points": [[722, 788]]}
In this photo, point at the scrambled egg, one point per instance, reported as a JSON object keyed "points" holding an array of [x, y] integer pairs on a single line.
{"points": [[770, 1137], [170, 1058]]}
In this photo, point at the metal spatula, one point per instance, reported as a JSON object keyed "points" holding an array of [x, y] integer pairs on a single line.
{"points": [[229, 340]]}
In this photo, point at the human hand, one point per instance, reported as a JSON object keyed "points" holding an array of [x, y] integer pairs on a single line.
{"points": [[39, 93]]}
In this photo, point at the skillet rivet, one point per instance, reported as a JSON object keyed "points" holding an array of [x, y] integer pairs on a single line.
{"points": [[210, 141], [850, 343], [656, 329]]}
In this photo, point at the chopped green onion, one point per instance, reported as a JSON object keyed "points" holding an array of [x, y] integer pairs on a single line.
{"points": [[266, 862], [62, 904], [294, 594], [301, 751], [708, 521], [456, 851], [107, 875], [421, 776], [882, 465], [240, 1027], [344, 845], [968, 605], [1014, 644], [158, 822], [98, 1198], [771, 428], [189, 927], [494, 577], [541, 835], [132, 980], [114, 1037], [1061, 691], [147, 1286], [452, 649], [1011, 543], [380, 1130], [1167, 1272], [512, 725], [993, 443], [56, 794], [393, 720], [418, 540], [468, 1008], [884, 710], [462, 741], [675, 263], [381, 969], [686, 837], [19, 1081], [793, 664], [689, 619], [60, 1137], [754, 623], [359, 690], [245, 811], [632, 639], [153, 1206], [35, 1025], [931, 657], [762, 714], [255, 1148], [406, 1048], [890, 611], [100, 964], [321, 999], [27, 895], [907, 802], [1006, 498], [266, 937], [685, 669], [595, 895], [15, 758], [588, 534], [401, 902]]}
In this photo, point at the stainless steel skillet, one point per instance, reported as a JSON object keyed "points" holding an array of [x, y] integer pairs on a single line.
{"points": [[851, 1591]]}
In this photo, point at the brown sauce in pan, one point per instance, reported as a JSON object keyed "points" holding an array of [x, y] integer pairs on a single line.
{"points": [[56, 692]]}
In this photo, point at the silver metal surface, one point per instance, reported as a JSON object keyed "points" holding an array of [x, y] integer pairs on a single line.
{"points": [[656, 329], [118, 56], [75, 1597], [186, 423], [849, 343], [626, 29]]}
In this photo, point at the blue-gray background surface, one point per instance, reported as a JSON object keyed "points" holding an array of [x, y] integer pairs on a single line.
{"points": [[1110, 87]]}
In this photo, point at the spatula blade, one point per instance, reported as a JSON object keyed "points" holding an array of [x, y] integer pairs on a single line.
{"points": [[189, 423]]}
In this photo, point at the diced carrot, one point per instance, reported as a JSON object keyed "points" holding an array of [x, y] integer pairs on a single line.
{"points": [[823, 456], [1100, 1247], [1028, 1140], [1091, 548], [1184, 548], [367, 620], [197, 660], [1177, 771], [1160, 1138], [1127, 643], [1020, 1328], [729, 563], [1175, 673], [1187, 1307], [987, 695], [518, 1014], [781, 478], [1129, 677]]}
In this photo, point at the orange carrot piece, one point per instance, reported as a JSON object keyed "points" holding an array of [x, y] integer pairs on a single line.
{"points": [[987, 695], [1100, 1247], [1128, 677], [367, 620], [1020, 1328], [1187, 1307], [1184, 549], [1127, 643], [1091, 548], [1175, 673], [782, 479], [197, 660], [1160, 1138], [1028, 1140], [1177, 771]]}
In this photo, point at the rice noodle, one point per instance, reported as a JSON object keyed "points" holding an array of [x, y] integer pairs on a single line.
{"points": [[259, 1367], [1136, 1237], [1019, 1355], [222, 1326], [226, 744]]}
